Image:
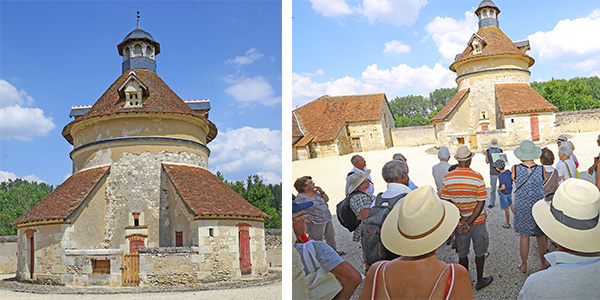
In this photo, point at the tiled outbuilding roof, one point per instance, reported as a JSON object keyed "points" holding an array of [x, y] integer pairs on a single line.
{"points": [[161, 99], [520, 98], [66, 198], [323, 118], [296, 132], [451, 106], [497, 43], [204, 194]]}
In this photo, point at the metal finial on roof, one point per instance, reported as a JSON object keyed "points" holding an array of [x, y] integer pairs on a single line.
{"points": [[138, 19]]}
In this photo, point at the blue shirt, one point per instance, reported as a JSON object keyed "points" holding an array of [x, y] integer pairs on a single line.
{"points": [[505, 178]]}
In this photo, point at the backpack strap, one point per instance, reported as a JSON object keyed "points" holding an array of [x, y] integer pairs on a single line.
{"points": [[350, 173], [392, 201]]}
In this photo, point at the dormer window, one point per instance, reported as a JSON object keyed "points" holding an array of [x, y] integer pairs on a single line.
{"points": [[477, 46], [133, 94]]}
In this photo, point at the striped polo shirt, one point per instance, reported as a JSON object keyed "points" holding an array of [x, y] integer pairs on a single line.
{"points": [[464, 187]]}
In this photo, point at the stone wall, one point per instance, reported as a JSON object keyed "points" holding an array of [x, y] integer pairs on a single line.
{"points": [[273, 244], [413, 136], [8, 254], [170, 266], [579, 121], [371, 134]]}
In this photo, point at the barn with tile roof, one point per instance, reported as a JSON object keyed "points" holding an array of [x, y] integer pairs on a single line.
{"points": [[338, 125], [141, 204], [494, 98]]}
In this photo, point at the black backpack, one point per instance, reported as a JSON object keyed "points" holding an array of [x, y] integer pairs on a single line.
{"points": [[346, 215], [372, 247]]}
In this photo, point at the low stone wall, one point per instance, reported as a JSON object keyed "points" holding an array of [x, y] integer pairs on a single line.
{"points": [[413, 136], [8, 254], [579, 121], [273, 244], [171, 266]]}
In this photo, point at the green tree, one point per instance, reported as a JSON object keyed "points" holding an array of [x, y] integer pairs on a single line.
{"points": [[16, 198], [440, 97]]}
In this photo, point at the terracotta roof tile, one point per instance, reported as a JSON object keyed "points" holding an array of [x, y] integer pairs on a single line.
{"points": [[324, 117], [161, 99], [296, 132], [521, 98], [451, 106], [205, 194], [497, 44], [66, 198]]}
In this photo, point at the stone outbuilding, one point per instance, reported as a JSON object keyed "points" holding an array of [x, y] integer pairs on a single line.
{"points": [[494, 97], [141, 205], [338, 125]]}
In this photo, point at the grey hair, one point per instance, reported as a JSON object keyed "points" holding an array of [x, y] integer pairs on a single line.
{"points": [[444, 153], [398, 156], [354, 158], [564, 149], [394, 170]]}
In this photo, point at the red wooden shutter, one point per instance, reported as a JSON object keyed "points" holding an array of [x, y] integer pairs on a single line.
{"points": [[245, 262], [134, 245], [535, 128], [178, 239]]}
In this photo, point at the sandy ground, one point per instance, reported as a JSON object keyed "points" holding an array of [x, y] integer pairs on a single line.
{"points": [[266, 292], [329, 173]]}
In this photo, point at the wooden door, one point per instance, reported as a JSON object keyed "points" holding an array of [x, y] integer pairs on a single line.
{"points": [[473, 141], [356, 147], [535, 128], [31, 257], [245, 262], [130, 268], [135, 245], [178, 239]]}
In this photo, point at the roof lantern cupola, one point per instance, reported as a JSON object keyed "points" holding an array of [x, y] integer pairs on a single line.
{"points": [[487, 12], [139, 50]]}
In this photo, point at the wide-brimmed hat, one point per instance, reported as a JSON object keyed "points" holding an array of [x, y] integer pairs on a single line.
{"points": [[570, 144], [463, 153], [528, 151], [571, 219], [561, 139], [356, 178], [296, 207], [494, 143], [419, 224]]}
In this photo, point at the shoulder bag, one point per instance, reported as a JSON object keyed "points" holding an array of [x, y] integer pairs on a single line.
{"points": [[323, 285]]}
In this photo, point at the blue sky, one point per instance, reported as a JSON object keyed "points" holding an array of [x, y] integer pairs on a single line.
{"points": [[55, 55], [405, 47]]}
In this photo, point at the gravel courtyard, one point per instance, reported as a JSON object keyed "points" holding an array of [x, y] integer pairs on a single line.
{"points": [[329, 173]]}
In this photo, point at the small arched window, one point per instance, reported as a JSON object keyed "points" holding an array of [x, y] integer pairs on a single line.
{"points": [[126, 53], [137, 50]]}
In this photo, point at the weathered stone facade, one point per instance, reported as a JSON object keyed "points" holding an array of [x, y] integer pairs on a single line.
{"points": [[8, 254], [579, 121], [413, 136]]}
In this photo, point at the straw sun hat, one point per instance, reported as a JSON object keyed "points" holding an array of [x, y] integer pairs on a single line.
{"points": [[419, 224], [356, 178], [463, 153], [528, 151], [571, 219]]}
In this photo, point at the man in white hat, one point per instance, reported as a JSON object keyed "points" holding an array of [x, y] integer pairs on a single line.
{"points": [[466, 189], [359, 166], [571, 220], [360, 201], [494, 147]]}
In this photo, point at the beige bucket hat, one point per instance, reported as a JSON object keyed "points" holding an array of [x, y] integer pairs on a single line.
{"points": [[494, 143], [419, 224], [355, 179], [528, 151], [571, 219], [463, 153]]}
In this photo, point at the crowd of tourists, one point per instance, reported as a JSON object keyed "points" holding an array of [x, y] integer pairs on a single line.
{"points": [[400, 228]]}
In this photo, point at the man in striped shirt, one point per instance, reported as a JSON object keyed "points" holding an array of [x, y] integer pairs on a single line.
{"points": [[466, 189]]}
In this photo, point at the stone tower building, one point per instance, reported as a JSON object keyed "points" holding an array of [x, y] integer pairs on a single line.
{"points": [[140, 185], [494, 96]]}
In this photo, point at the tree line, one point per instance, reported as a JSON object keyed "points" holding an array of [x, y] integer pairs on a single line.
{"points": [[567, 95], [19, 196]]}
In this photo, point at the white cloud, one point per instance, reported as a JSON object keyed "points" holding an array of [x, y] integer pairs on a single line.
{"points": [[254, 89], [239, 153], [331, 8], [396, 12], [396, 47], [5, 176], [33, 178], [450, 35], [18, 122], [251, 55], [570, 44], [392, 81]]}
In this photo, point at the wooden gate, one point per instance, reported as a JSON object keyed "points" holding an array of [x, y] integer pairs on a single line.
{"points": [[535, 128], [130, 269], [245, 261]]}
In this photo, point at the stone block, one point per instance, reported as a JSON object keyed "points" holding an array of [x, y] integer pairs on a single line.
{"points": [[99, 279], [206, 266], [58, 269], [205, 249], [233, 248], [87, 270], [66, 278]]}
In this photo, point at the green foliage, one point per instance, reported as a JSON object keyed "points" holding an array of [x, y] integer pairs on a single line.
{"points": [[568, 95], [267, 198], [416, 110], [16, 198]]}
